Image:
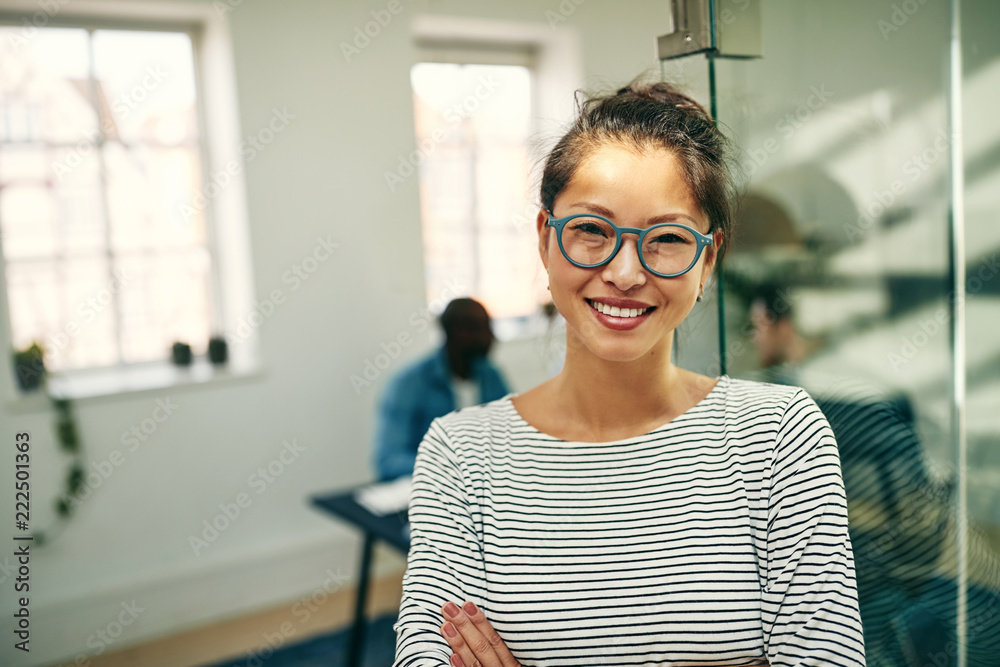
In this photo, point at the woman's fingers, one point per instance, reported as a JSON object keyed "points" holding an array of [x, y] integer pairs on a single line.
{"points": [[475, 640], [491, 636], [457, 644], [469, 644]]}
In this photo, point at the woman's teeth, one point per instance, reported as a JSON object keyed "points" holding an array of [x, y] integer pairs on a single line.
{"points": [[614, 311]]}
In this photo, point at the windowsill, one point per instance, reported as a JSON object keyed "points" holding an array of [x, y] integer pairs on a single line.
{"points": [[132, 379]]}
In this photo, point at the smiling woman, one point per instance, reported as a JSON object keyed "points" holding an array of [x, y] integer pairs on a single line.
{"points": [[628, 511], [642, 189]]}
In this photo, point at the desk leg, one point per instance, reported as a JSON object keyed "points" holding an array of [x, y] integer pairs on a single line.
{"points": [[357, 638]]}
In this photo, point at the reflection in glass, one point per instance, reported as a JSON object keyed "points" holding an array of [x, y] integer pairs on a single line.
{"points": [[840, 281]]}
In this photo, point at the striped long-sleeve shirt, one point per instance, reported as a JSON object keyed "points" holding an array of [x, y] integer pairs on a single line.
{"points": [[719, 538]]}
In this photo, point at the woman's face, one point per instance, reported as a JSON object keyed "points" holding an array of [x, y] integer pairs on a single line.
{"points": [[632, 189]]}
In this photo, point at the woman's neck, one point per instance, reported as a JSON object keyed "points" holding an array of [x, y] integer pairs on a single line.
{"points": [[608, 396]]}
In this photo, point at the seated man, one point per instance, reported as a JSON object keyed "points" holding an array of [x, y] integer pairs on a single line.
{"points": [[456, 376]]}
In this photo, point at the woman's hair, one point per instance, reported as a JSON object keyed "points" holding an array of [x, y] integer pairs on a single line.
{"points": [[649, 116]]}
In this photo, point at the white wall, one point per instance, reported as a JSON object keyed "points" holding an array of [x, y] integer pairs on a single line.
{"points": [[323, 175]]}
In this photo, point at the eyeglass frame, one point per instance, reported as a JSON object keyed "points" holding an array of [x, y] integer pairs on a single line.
{"points": [[703, 240]]}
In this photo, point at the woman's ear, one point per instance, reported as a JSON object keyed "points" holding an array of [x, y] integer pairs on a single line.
{"points": [[543, 237], [711, 254]]}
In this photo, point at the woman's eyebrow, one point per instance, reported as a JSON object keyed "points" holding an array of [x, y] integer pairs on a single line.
{"points": [[670, 217], [600, 210], [594, 208]]}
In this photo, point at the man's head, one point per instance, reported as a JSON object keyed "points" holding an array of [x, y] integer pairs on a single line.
{"points": [[774, 328], [467, 329]]}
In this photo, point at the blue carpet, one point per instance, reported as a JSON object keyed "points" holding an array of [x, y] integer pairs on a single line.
{"points": [[328, 650]]}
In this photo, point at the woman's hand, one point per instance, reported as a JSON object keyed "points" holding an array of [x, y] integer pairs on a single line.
{"points": [[472, 639]]}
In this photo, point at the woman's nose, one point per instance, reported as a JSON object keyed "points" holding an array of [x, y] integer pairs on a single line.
{"points": [[625, 270]]}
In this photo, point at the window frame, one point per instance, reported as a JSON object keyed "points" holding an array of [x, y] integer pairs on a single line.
{"points": [[557, 73], [230, 280], [464, 52]]}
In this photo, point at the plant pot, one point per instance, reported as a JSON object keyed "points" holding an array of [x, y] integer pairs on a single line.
{"points": [[218, 350], [181, 354], [29, 367]]}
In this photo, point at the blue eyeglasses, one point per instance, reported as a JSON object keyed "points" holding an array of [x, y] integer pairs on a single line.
{"points": [[667, 250]]}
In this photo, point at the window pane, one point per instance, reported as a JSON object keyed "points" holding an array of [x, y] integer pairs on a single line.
{"points": [[508, 250], [34, 302], [472, 125], [447, 211], [68, 307], [79, 197], [147, 190], [44, 89], [80, 207], [166, 299], [147, 87], [49, 201], [29, 224], [23, 163], [89, 302]]}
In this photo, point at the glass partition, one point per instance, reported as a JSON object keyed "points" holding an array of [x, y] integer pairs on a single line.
{"points": [[842, 280], [981, 161]]}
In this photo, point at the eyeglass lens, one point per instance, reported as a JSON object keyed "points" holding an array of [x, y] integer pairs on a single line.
{"points": [[666, 248]]}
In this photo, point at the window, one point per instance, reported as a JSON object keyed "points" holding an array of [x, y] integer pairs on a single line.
{"points": [[474, 123], [106, 246]]}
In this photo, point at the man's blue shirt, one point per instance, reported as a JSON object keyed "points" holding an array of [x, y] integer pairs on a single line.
{"points": [[413, 399]]}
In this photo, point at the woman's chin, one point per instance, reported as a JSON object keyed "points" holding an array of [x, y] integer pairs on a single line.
{"points": [[619, 352]]}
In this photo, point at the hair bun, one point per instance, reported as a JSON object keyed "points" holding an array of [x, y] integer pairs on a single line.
{"points": [[663, 93]]}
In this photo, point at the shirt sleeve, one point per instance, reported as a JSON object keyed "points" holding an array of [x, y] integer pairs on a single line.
{"points": [[395, 432], [445, 560], [810, 604]]}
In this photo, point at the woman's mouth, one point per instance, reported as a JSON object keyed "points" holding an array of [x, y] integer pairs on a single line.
{"points": [[615, 311], [617, 318]]}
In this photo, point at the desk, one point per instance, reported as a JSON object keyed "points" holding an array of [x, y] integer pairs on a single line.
{"points": [[393, 528]]}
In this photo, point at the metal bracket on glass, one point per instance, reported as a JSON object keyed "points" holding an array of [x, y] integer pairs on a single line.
{"points": [[723, 28]]}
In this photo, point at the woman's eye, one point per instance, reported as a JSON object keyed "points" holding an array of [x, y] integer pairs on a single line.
{"points": [[669, 238], [590, 228]]}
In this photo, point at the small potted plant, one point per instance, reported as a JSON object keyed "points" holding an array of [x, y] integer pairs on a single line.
{"points": [[218, 350], [29, 367], [180, 354]]}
